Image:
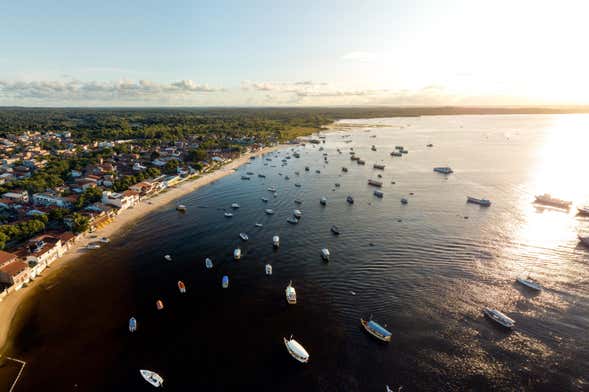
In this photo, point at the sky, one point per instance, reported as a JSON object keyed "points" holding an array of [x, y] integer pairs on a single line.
{"points": [[293, 53]]}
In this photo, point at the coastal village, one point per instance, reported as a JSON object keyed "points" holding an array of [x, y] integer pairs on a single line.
{"points": [[56, 191]]}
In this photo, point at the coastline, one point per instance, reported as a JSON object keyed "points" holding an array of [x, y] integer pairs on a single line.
{"points": [[10, 304]]}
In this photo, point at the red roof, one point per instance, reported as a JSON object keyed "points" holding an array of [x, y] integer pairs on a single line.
{"points": [[5, 257], [14, 268]]}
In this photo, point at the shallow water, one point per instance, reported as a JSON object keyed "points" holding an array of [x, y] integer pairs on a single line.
{"points": [[422, 269]]}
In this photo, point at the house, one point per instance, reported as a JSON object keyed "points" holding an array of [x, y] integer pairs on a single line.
{"points": [[41, 252], [17, 195], [15, 274], [46, 199], [121, 200], [138, 167], [6, 258], [144, 188]]}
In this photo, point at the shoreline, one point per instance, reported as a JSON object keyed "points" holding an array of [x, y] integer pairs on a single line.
{"points": [[10, 304]]}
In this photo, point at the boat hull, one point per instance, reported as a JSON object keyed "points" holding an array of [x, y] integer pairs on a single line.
{"points": [[380, 337], [301, 358]]}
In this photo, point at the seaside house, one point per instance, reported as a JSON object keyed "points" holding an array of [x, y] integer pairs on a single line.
{"points": [[123, 200], [14, 273], [41, 252]]}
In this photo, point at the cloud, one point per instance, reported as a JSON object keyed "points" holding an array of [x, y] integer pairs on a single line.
{"points": [[359, 56]]}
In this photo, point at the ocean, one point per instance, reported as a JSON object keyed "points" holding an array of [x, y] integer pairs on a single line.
{"points": [[425, 270]]}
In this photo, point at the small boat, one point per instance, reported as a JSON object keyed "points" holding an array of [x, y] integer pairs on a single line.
{"points": [[237, 254], [361, 162], [291, 294], [307, 168], [104, 240], [228, 215], [443, 170], [276, 241], [337, 184], [499, 317], [159, 304], [152, 377], [318, 171], [335, 230], [93, 246], [404, 201], [268, 269], [181, 287], [168, 257], [297, 201], [269, 211], [181, 207], [245, 177], [375, 183], [297, 214], [379, 175], [258, 224], [235, 206], [262, 175], [296, 350], [481, 202], [373, 148], [244, 236], [325, 254], [225, 282], [583, 210], [399, 148], [208, 263], [377, 166], [529, 283], [249, 173], [272, 189], [132, 324], [376, 330], [396, 154], [350, 199], [378, 193], [553, 201], [323, 200], [286, 177], [584, 240], [429, 145], [297, 185], [265, 199], [292, 220], [345, 169]]}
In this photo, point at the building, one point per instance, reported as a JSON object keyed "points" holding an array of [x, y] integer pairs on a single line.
{"points": [[122, 201], [7, 258], [46, 199], [41, 252], [17, 195], [15, 274]]}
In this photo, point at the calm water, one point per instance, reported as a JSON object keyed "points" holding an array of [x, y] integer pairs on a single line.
{"points": [[422, 268]]}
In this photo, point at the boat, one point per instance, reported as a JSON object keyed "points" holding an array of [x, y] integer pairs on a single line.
{"points": [[583, 210], [276, 241], [345, 169], [291, 294], [318, 171], [249, 173], [132, 324], [168, 257], [286, 177], [296, 350], [243, 236], [104, 240], [181, 207], [228, 215], [481, 202], [396, 154], [325, 254], [350, 199], [259, 224], [323, 201], [499, 317], [268, 269], [376, 330], [93, 246], [292, 220], [335, 230], [208, 263], [307, 168], [152, 377], [399, 147], [404, 151], [443, 170], [225, 282], [404, 201], [265, 199], [297, 201], [237, 254], [378, 193], [354, 158], [374, 183], [262, 175], [361, 162], [159, 304], [297, 185], [337, 184], [379, 176], [234, 205], [272, 189], [269, 211], [429, 145], [373, 148], [181, 287], [547, 199], [584, 240], [529, 283], [297, 214], [245, 178], [377, 166]]}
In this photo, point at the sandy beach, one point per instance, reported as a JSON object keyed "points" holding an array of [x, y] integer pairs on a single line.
{"points": [[10, 304]]}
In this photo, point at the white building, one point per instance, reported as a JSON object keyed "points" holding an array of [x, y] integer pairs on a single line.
{"points": [[120, 200], [45, 199], [21, 196]]}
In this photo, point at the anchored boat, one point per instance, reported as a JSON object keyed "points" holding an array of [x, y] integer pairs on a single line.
{"points": [[323, 201], [237, 254], [547, 199], [208, 263], [375, 183], [276, 241], [296, 350], [181, 287], [132, 324], [376, 330], [291, 294], [225, 282], [444, 170], [268, 269], [529, 283], [499, 317], [152, 377], [481, 202], [168, 257], [325, 254]]}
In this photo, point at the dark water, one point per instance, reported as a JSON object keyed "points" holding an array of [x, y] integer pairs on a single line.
{"points": [[427, 275]]}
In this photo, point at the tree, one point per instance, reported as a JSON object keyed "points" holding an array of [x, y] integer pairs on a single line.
{"points": [[3, 240], [171, 166], [80, 222]]}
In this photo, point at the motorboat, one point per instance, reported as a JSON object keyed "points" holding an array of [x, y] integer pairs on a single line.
{"points": [[373, 148], [350, 199], [265, 199], [318, 171], [257, 224], [499, 317], [168, 257], [244, 236], [396, 154], [374, 183], [268, 269], [286, 177], [208, 263], [228, 215], [237, 253], [181, 207], [443, 170], [235, 206], [583, 210], [323, 200], [296, 350], [276, 241], [93, 246], [547, 199], [529, 283], [249, 173], [307, 168], [404, 200], [335, 230], [269, 211], [378, 193], [399, 147], [325, 254], [337, 184], [159, 304], [292, 220], [429, 145], [181, 287], [152, 377], [225, 282], [481, 202], [291, 294], [361, 162], [376, 330], [379, 175], [297, 214], [132, 324], [378, 166]]}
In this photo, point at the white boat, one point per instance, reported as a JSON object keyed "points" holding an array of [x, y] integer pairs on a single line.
{"points": [[583, 210], [296, 350], [181, 207], [265, 199], [234, 205], [228, 215], [93, 246], [276, 241], [168, 257], [243, 236], [443, 170], [225, 282], [132, 324], [499, 317], [237, 254], [297, 214], [268, 269], [529, 283], [325, 254], [152, 377], [291, 294], [481, 202], [269, 211], [323, 201], [292, 220], [208, 263], [181, 287], [547, 199], [258, 224], [272, 189]]}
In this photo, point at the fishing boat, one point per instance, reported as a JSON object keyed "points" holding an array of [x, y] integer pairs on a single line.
{"points": [[245, 177], [297, 185], [265, 199], [404, 201], [443, 170], [181, 207], [243, 236], [208, 263], [378, 193], [378, 166], [297, 214], [292, 220], [132, 324], [547, 199], [529, 283], [291, 294], [262, 175], [481, 202], [583, 210], [228, 215], [269, 211], [257, 224], [335, 230], [345, 169], [276, 241], [376, 330], [93, 246], [323, 201], [307, 168], [235, 206], [296, 350], [350, 199], [325, 254], [499, 317], [237, 254], [181, 287], [168, 257], [152, 377], [159, 304], [225, 282], [374, 183], [268, 269]]}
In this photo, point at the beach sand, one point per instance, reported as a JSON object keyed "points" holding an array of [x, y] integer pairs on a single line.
{"points": [[10, 304]]}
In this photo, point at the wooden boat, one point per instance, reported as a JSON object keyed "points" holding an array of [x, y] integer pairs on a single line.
{"points": [[152, 377], [276, 241], [159, 304], [296, 350], [181, 287], [378, 193], [376, 330]]}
